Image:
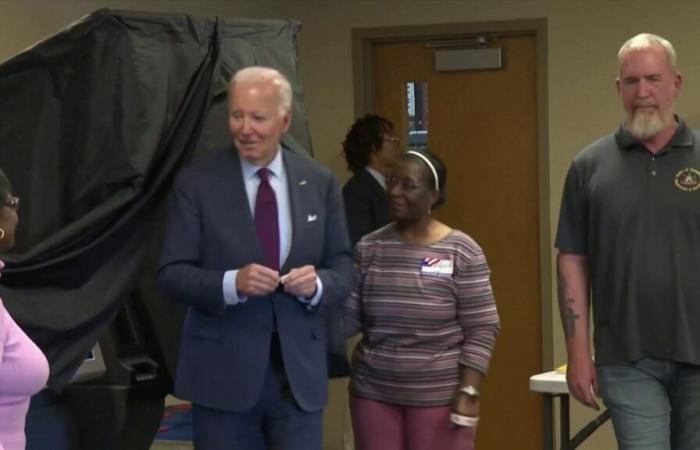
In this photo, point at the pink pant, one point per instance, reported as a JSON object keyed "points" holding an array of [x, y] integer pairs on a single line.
{"points": [[385, 426]]}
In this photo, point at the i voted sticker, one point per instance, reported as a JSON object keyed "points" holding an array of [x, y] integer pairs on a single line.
{"points": [[436, 266]]}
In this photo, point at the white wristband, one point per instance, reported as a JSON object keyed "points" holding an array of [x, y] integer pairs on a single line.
{"points": [[463, 421]]}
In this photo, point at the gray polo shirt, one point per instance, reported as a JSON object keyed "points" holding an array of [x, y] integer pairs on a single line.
{"points": [[636, 217]]}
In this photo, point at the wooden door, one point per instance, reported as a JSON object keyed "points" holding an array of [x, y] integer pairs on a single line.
{"points": [[483, 125]]}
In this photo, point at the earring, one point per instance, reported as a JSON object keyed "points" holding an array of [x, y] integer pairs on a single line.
{"points": [[2, 233]]}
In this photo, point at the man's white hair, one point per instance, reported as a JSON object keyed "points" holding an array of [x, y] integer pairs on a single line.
{"points": [[646, 40], [254, 74]]}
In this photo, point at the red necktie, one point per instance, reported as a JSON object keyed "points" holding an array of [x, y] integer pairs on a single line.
{"points": [[266, 223]]}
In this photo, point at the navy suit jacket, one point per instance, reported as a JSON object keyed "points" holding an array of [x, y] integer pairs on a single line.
{"points": [[366, 205], [225, 350]]}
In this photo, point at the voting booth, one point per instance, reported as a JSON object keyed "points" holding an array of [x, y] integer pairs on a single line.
{"points": [[96, 121]]}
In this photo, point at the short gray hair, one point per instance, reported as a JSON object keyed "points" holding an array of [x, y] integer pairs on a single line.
{"points": [[646, 40], [261, 74]]}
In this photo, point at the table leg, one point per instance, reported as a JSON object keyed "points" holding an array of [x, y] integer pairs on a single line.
{"points": [[548, 421], [564, 434]]}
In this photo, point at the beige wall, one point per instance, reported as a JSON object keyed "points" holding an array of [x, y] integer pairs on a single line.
{"points": [[583, 37]]}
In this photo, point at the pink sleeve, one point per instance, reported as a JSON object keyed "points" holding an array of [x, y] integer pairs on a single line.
{"points": [[476, 309], [353, 304], [4, 326]]}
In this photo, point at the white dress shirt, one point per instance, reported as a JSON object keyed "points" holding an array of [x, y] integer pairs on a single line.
{"points": [[279, 184]]}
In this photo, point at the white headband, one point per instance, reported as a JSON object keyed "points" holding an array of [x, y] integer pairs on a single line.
{"points": [[430, 165]]}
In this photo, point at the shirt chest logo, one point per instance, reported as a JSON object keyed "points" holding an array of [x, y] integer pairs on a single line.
{"points": [[687, 180]]}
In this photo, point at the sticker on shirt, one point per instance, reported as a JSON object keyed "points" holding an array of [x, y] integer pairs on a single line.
{"points": [[436, 266], [687, 180]]}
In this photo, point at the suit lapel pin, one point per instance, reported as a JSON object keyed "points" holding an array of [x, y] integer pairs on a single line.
{"points": [[302, 183], [311, 218]]}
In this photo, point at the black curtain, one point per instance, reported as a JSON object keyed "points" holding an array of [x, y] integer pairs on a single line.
{"points": [[95, 122]]}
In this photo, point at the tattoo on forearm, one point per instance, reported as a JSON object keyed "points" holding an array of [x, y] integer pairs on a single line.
{"points": [[570, 319], [568, 315]]}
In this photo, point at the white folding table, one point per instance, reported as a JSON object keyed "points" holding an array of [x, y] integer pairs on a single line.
{"points": [[552, 385]]}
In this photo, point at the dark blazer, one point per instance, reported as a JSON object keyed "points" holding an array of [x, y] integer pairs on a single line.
{"points": [[366, 205], [225, 349]]}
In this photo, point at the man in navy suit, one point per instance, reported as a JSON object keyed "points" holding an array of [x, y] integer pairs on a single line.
{"points": [[257, 247], [371, 149]]}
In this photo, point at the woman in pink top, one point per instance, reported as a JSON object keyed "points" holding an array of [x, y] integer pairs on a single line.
{"points": [[23, 367], [428, 319]]}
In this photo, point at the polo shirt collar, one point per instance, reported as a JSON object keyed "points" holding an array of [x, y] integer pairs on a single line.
{"points": [[683, 137]]}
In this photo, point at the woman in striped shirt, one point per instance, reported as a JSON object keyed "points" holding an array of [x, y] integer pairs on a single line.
{"points": [[426, 311]]}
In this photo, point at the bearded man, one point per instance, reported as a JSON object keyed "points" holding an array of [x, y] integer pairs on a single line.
{"points": [[629, 239]]}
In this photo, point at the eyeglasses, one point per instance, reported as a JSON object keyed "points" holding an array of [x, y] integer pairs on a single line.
{"points": [[393, 140], [12, 202], [406, 184]]}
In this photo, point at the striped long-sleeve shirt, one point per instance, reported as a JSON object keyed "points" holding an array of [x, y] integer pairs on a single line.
{"points": [[423, 310]]}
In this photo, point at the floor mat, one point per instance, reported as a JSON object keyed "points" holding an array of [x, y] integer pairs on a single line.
{"points": [[176, 425]]}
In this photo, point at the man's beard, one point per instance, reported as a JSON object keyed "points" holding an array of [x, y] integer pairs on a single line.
{"points": [[643, 124]]}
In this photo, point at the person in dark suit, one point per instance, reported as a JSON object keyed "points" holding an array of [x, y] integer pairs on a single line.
{"points": [[370, 149], [257, 247]]}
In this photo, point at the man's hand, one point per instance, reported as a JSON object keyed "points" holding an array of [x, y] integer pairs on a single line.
{"points": [[300, 282], [255, 280], [582, 380]]}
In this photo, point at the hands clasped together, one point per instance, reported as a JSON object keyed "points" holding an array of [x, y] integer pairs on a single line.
{"points": [[256, 280]]}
